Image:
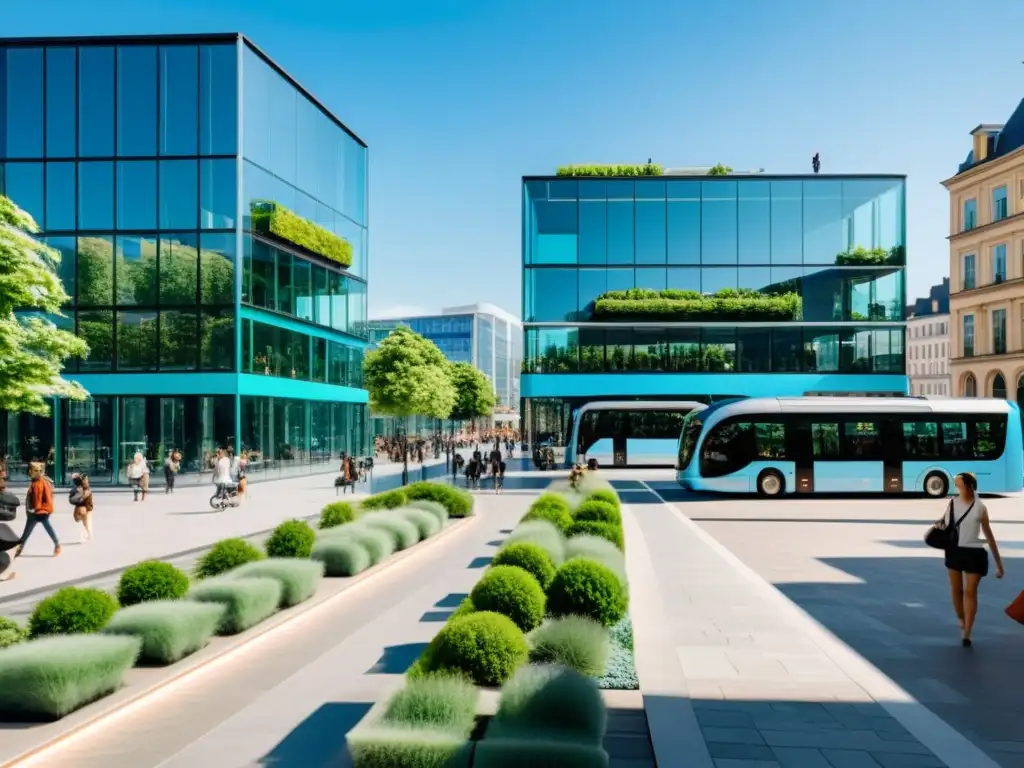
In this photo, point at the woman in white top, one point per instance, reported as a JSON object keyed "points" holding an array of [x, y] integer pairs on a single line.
{"points": [[967, 560], [138, 476]]}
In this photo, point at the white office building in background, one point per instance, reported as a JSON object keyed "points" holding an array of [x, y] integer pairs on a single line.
{"points": [[928, 343]]}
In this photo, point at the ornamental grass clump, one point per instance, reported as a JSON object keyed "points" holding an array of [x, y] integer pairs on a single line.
{"points": [[438, 702], [298, 578], [169, 630], [226, 555], [292, 538], [47, 679], [605, 494], [587, 588], [542, 533], [576, 642], [609, 531], [436, 508], [151, 580], [531, 558], [72, 610], [341, 556], [598, 511], [378, 543], [402, 532], [427, 524], [553, 508], [485, 647], [458, 502], [386, 500], [246, 602], [512, 592], [399, 746], [599, 549], [11, 632], [336, 513]]}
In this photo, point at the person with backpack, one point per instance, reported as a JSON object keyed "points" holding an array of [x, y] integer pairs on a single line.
{"points": [[39, 504], [80, 498]]}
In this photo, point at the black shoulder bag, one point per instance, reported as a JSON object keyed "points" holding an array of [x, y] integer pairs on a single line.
{"points": [[946, 535]]}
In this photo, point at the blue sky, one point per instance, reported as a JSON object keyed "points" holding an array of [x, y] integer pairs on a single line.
{"points": [[460, 98]]}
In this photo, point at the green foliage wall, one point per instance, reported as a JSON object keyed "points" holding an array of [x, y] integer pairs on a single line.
{"points": [[272, 218], [726, 305]]}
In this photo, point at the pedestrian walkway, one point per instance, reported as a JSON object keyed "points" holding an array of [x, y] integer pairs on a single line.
{"points": [[734, 676]]}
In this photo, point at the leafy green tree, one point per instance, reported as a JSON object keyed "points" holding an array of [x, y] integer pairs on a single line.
{"points": [[474, 393], [32, 348], [720, 170]]}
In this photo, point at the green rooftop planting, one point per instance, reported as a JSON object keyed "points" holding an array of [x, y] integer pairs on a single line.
{"points": [[861, 256], [272, 218], [720, 170], [639, 304], [647, 169]]}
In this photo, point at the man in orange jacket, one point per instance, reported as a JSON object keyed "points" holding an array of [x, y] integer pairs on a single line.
{"points": [[39, 506]]}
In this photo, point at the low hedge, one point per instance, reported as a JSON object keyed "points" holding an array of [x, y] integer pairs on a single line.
{"points": [[72, 610], [151, 580], [402, 532], [458, 502], [575, 642], [485, 647], [553, 508], [605, 494], [600, 549], [47, 679], [644, 169], [395, 746], [436, 508], [598, 511], [439, 702], [292, 538], [336, 513], [730, 305], [587, 588], [512, 592], [169, 630], [378, 543], [246, 602], [542, 533], [609, 531], [532, 558], [386, 500], [298, 578], [341, 556], [226, 555], [427, 524], [270, 217], [11, 632]]}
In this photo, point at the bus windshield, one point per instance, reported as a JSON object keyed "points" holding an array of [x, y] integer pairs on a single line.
{"points": [[692, 427]]}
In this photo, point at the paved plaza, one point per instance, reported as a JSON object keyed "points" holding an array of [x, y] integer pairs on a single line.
{"points": [[811, 633]]}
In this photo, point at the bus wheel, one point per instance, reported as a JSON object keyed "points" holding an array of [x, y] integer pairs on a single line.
{"points": [[936, 485], [770, 483]]}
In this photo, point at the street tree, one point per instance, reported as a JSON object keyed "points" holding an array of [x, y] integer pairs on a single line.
{"points": [[32, 348], [474, 393]]}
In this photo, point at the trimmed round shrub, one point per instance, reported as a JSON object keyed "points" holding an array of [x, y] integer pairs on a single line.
{"points": [[426, 523], [599, 549], [587, 588], [292, 538], [11, 632], [512, 592], [226, 555], [435, 508], [552, 508], [458, 502], [378, 543], [609, 531], [605, 494], [404, 533], [547, 697], [341, 556], [72, 610], [386, 500], [532, 558], [336, 513], [151, 580], [598, 511], [486, 647], [542, 533], [572, 641]]}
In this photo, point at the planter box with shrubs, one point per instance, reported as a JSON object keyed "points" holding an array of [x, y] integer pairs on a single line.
{"points": [[458, 502], [336, 513], [298, 578], [11, 632], [386, 500], [151, 580], [729, 305], [226, 555], [246, 602], [169, 630], [292, 538], [72, 610]]}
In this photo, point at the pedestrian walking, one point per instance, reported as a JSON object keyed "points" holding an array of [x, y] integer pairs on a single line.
{"points": [[39, 505], [499, 477], [243, 484], [9, 504], [172, 465], [138, 476], [80, 499], [966, 558]]}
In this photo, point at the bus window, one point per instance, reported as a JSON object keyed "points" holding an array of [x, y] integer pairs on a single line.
{"points": [[989, 439], [861, 441], [692, 427], [770, 441], [825, 439], [921, 440], [954, 440], [727, 448]]}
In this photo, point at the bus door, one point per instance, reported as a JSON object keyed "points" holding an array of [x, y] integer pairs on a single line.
{"points": [[798, 437], [892, 456], [619, 456]]}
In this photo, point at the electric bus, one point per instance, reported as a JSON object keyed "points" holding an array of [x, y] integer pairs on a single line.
{"points": [[803, 445], [634, 433]]}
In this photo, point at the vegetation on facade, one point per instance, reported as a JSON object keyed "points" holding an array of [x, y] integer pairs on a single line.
{"points": [[34, 349], [720, 170], [686, 356], [269, 217], [861, 256], [647, 169], [737, 305]]}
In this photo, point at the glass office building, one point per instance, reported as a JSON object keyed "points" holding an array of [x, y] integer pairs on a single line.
{"points": [[190, 185], [685, 287]]}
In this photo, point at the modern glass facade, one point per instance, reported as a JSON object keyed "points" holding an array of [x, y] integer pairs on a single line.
{"points": [[140, 159], [695, 287]]}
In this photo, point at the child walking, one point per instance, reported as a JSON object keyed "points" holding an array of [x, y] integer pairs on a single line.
{"points": [[39, 505], [81, 499]]}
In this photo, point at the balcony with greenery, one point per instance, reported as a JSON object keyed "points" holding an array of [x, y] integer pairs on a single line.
{"points": [[729, 305], [871, 257], [271, 218], [646, 169]]}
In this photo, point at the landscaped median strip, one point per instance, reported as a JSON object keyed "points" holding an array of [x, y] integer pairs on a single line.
{"points": [[239, 589]]}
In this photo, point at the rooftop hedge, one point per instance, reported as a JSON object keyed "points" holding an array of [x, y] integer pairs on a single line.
{"points": [[647, 169], [870, 256], [726, 305], [272, 218]]}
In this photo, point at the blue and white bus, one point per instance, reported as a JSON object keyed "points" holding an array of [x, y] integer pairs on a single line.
{"points": [[775, 446], [628, 433]]}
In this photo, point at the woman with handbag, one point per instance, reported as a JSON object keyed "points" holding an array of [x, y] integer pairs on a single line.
{"points": [[966, 560]]}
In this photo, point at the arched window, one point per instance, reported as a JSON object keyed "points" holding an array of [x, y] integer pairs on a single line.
{"points": [[970, 386], [999, 387]]}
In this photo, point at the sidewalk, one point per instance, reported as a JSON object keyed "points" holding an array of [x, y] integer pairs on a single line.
{"points": [[735, 676]]}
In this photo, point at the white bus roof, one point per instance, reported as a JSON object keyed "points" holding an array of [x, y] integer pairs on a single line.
{"points": [[642, 405], [864, 405]]}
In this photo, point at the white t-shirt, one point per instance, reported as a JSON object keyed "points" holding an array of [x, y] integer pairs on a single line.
{"points": [[222, 473], [970, 533]]}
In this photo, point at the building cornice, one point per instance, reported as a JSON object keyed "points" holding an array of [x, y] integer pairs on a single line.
{"points": [[1017, 218], [982, 169]]}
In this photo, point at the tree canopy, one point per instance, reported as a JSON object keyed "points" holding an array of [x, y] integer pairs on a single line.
{"points": [[407, 375], [32, 348], [474, 393]]}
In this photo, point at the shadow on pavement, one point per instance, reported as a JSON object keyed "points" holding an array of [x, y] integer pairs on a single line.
{"points": [[480, 562], [436, 617], [451, 600], [319, 740], [397, 659]]}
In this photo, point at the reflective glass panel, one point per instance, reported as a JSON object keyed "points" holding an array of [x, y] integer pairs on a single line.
{"points": [[179, 270], [821, 350], [284, 283], [23, 184], [621, 231], [65, 248], [718, 222], [787, 222], [95, 101], [60, 102], [553, 296], [824, 233], [218, 100], [179, 339], [136, 194], [60, 196], [592, 283], [753, 350], [97, 330], [593, 242], [650, 278], [683, 222], [95, 271], [179, 192], [256, 115], [339, 300], [302, 290], [755, 222], [650, 229], [23, 103], [321, 297], [263, 275], [319, 359], [357, 308], [135, 262], [179, 100], [555, 236], [217, 194], [217, 342], [787, 350], [96, 195], [217, 268], [136, 341], [136, 100], [718, 349]]}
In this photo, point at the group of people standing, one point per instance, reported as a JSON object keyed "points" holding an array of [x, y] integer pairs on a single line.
{"points": [[477, 467]]}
